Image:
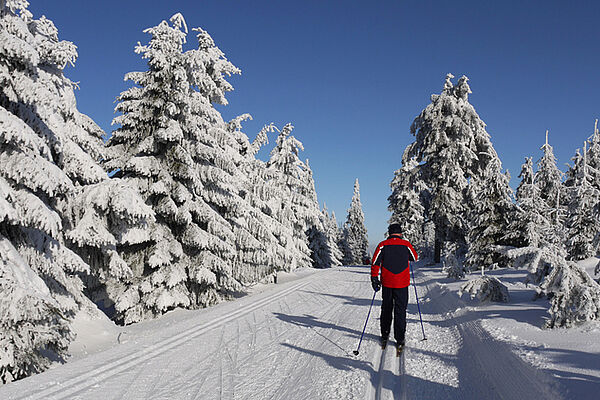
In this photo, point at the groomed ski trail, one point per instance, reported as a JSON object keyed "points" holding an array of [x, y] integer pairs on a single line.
{"points": [[486, 368], [294, 341], [97, 375]]}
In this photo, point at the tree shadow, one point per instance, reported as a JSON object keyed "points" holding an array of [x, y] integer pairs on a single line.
{"points": [[388, 378], [309, 321], [578, 383], [348, 300]]}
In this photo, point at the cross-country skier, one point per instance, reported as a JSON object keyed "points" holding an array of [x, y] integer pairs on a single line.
{"points": [[393, 256]]}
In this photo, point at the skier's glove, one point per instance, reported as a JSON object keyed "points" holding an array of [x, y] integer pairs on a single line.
{"points": [[376, 284]]}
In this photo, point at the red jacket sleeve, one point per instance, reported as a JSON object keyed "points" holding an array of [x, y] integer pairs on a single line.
{"points": [[376, 262], [413, 253]]}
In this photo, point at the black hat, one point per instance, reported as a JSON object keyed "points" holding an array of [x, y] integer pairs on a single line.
{"points": [[394, 228]]}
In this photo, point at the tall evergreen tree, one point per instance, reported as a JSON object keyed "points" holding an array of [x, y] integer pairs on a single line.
{"points": [[493, 210], [318, 241], [294, 208], [405, 202], [593, 157], [258, 189], [528, 226], [355, 240], [548, 179], [451, 146], [57, 204], [332, 232], [174, 147], [582, 222]]}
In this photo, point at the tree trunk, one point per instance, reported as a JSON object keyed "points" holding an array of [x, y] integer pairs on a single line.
{"points": [[437, 252]]}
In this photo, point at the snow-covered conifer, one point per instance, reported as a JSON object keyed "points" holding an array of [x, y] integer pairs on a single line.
{"points": [[258, 188], [332, 232], [582, 223], [405, 204], [54, 192], [529, 227], [318, 241], [355, 240], [298, 207], [173, 146], [31, 321], [548, 180], [453, 262], [491, 215], [593, 157], [575, 296], [485, 288], [451, 146]]}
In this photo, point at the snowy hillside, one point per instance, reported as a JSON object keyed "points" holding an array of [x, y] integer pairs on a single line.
{"points": [[294, 340]]}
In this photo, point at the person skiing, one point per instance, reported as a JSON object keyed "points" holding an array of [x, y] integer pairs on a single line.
{"points": [[393, 256]]}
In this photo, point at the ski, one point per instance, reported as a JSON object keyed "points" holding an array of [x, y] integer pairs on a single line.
{"points": [[399, 350]]}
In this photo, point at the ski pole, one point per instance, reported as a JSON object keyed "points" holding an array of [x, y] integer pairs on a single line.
{"points": [[365, 327], [418, 306]]}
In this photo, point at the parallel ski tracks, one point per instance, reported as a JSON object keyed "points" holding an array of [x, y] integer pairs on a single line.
{"points": [[94, 377], [389, 381]]}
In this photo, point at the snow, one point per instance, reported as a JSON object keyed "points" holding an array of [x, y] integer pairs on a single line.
{"points": [[294, 340]]}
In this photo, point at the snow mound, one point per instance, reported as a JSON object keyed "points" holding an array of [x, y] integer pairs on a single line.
{"points": [[485, 288]]}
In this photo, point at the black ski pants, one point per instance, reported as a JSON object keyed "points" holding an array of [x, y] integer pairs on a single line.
{"points": [[396, 300]]}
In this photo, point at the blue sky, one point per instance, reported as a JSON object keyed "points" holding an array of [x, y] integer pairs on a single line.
{"points": [[352, 75]]}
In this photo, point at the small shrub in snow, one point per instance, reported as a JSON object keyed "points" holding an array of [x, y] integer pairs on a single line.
{"points": [[485, 288], [574, 295], [453, 265]]}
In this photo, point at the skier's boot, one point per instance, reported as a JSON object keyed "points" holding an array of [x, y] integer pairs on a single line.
{"points": [[399, 349], [384, 340]]}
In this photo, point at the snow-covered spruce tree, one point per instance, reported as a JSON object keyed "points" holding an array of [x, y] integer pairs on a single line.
{"points": [[593, 157], [332, 232], [582, 223], [295, 208], [491, 215], [49, 174], [257, 187], [175, 148], [31, 321], [548, 180], [405, 204], [451, 146], [526, 228], [355, 240], [453, 262], [319, 243], [575, 296]]}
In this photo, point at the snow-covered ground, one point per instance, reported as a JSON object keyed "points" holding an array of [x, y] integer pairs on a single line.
{"points": [[294, 340]]}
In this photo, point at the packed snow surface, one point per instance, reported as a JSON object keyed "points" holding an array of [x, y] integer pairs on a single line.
{"points": [[294, 340]]}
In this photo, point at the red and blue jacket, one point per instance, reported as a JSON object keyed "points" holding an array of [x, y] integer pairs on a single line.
{"points": [[393, 256]]}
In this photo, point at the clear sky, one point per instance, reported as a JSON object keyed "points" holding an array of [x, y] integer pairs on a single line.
{"points": [[352, 75]]}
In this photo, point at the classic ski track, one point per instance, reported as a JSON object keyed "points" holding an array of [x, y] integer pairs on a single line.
{"points": [[402, 376], [378, 361], [503, 371], [315, 344], [260, 355], [84, 381], [380, 374]]}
